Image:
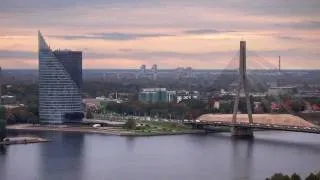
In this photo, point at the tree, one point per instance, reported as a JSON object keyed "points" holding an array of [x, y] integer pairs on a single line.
{"points": [[33, 108], [18, 115], [243, 104], [226, 107], [295, 177], [279, 176], [33, 120], [89, 114], [3, 130], [130, 124], [265, 106], [296, 105], [312, 177]]}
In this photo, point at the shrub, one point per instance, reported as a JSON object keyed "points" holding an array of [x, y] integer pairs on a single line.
{"points": [[130, 124]]}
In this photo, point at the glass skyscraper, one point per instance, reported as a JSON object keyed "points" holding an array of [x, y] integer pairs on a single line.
{"points": [[60, 85]]}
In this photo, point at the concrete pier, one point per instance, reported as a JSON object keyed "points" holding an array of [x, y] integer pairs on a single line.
{"points": [[242, 132], [22, 140]]}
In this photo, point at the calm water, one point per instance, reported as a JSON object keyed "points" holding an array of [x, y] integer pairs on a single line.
{"points": [[186, 157]]}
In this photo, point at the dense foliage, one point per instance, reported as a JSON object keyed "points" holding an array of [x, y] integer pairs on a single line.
{"points": [[89, 114], [20, 115], [280, 176], [3, 131], [130, 124], [191, 109], [27, 94]]}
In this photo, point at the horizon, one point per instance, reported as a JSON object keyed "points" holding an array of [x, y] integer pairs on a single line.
{"points": [[161, 69], [126, 34]]}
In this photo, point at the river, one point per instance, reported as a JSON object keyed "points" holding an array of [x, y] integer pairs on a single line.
{"points": [[76, 156]]}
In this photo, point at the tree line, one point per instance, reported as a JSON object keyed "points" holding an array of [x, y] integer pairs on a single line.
{"points": [[280, 176], [192, 109], [185, 110]]}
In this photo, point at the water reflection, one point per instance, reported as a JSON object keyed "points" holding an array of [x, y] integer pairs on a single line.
{"points": [[62, 157], [3, 149], [130, 141], [242, 158]]}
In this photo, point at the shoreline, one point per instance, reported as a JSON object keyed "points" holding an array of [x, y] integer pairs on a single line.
{"points": [[103, 130], [23, 140]]}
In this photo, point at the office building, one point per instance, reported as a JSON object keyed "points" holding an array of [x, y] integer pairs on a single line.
{"points": [[60, 84], [156, 95], [154, 71]]}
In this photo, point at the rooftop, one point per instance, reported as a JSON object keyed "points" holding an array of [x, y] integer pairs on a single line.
{"points": [[283, 87]]}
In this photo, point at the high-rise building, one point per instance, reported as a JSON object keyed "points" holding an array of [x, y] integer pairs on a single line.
{"points": [[141, 71], [142, 68], [60, 84], [154, 71]]}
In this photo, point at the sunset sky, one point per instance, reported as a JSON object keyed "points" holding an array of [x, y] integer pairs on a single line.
{"points": [[203, 34]]}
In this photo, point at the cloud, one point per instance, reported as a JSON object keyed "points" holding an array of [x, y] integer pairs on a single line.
{"points": [[281, 24], [279, 7], [291, 38], [201, 31], [309, 39], [304, 54], [8, 54], [158, 55], [124, 53], [115, 36], [300, 25], [206, 31], [118, 36]]}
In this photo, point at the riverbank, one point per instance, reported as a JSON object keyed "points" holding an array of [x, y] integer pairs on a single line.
{"points": [[100, 130], [23, 140]]}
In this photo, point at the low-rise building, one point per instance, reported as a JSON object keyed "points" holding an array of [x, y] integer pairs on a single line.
{"points": [[156, 95], [183, 95], [9, 100], [279, 91]]}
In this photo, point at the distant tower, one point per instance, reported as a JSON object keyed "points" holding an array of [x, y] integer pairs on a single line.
{"points": [[142, 68], [189, 72], [141, 71], [243, 83], [154, 70], [279, 64], [0, 86]]}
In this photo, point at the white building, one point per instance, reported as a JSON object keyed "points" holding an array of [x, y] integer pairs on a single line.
{"points": [[278, 91]]}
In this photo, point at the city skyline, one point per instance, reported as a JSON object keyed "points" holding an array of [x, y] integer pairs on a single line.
{"points": [[125, 34]]}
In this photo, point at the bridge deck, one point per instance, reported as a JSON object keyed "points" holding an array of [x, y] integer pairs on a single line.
{"points": [[279, 119], [312, 129]]}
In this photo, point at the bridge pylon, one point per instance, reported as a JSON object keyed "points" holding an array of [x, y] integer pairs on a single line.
{"points": [[243, 84]]}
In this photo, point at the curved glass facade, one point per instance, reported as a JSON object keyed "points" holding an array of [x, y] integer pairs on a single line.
{"points": [[60, 83]]}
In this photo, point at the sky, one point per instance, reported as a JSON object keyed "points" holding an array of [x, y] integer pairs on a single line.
{"points": [[202, 34]]}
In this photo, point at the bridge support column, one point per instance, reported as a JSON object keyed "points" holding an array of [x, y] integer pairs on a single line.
{"points": [[242, 132]]}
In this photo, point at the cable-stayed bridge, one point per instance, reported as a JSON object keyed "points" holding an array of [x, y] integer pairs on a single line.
{"points": [[245, 126]]}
